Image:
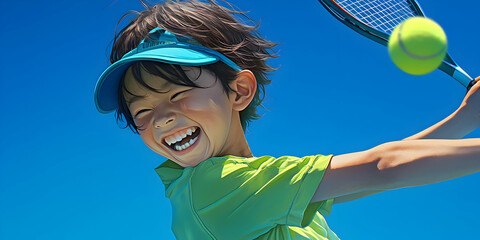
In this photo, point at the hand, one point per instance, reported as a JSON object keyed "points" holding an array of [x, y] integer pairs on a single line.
{"points": [[471, 102]]}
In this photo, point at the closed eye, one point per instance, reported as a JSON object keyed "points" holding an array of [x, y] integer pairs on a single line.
{"points": [[178, 94], [141, 112]]}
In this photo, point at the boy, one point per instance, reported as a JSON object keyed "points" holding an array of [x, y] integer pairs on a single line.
{"points": [[188, 78]]}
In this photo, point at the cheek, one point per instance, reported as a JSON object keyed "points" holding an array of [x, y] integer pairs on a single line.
{"points": [[149, 139], [143, 122], [207, 106]]}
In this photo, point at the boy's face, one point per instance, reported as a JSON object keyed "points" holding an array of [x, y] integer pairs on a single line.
{"points": [[184, 124]]}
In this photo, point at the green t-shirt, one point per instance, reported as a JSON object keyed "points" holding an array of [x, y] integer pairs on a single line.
{"points": [[248, 198]]}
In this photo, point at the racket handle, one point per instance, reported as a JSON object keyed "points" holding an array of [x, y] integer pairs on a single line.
{"points": [[461, 76], [456, 72], [470, 85]]}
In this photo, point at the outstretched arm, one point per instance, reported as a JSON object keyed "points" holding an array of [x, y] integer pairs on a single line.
{"points": [[399, 164], [460, 123]]}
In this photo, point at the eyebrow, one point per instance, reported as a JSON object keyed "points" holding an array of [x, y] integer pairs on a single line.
{"points": [[138, 98], [166, 84], [134, 99]]}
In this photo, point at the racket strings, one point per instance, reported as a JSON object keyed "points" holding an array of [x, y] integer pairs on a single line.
{"points": [[380, 15]]}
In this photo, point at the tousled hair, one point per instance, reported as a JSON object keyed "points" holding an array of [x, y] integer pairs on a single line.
{"points": [[213, 26]]}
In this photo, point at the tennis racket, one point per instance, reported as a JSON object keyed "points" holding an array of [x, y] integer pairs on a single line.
{"points": [[376, 19]]}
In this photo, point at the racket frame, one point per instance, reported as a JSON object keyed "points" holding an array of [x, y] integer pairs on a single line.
{"points": [[448, 65]]}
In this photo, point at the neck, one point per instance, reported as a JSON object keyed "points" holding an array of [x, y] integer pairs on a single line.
{"points": [[236, 144]]}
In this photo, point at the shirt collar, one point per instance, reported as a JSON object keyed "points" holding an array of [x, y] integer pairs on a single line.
{"points": [[169, 171]]}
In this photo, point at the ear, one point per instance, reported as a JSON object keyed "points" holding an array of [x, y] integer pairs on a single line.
{"points": [[244, 88]]}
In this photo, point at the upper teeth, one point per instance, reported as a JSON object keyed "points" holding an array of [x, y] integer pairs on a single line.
{"points": [[178, 136]]}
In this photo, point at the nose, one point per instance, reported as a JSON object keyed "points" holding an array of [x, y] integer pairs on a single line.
{"points": [[164, 119]]}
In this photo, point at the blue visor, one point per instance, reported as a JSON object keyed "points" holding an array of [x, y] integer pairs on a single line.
{"points": [[160, 46]]}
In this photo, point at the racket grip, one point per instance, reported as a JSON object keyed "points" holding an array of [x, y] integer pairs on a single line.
{"points": [[470, 85]]}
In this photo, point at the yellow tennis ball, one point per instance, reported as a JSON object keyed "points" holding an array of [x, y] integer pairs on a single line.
{"points": [[417, 45]]}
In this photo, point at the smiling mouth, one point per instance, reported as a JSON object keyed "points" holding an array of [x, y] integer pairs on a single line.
{"points": [[183, 139]]}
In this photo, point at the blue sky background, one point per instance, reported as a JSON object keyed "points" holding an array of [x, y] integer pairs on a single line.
{"points": [[69, 172]]}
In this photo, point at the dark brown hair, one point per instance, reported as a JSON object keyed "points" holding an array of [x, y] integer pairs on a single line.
{"points": [[213, 26]]}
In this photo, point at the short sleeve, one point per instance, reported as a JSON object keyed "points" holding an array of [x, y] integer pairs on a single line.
{"points": [[246, 197]]}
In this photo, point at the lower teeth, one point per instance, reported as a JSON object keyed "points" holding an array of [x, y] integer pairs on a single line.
{"points": [[185, 145]]}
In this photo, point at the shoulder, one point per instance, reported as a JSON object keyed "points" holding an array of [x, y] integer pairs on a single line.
{"points": [[230, 173], [231, 164]]}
